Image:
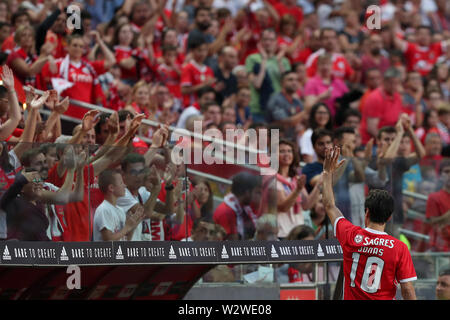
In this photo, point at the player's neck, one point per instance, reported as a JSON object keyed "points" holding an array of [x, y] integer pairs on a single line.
{"points": [[376, 226]]}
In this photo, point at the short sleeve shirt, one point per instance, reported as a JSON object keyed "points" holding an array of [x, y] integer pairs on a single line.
{"points": [[374, 262], [109, 217]]}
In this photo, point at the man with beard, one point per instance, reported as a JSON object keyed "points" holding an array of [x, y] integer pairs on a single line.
{"points": [[202, 21], [375, 57]]}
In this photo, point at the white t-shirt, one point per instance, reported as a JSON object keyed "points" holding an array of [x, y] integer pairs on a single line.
{"points": [[143, 230], [110, 217], [305, 144]]}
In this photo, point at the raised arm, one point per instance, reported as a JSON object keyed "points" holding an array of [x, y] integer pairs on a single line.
{"points": [[118, 150], [113, 132], [392, 150], [110, 58], [65, 195], [29, 131], [330, 166], [14, 115]]}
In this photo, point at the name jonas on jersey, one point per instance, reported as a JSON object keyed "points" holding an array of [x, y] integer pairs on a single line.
{"points": [[378, 242]]}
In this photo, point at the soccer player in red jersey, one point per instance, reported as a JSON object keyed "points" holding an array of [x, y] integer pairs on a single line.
{"points": [[373, 260]]}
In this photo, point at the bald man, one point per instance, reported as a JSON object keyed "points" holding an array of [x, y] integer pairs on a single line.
{"points": [[226, 81]]}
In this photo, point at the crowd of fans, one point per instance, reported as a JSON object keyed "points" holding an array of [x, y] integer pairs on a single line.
{"points": [[312, 69]]}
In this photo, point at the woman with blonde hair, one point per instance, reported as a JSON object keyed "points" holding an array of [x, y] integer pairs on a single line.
{"points": [[24, 61]]}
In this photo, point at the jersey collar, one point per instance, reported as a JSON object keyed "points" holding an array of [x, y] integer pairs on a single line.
{"points": [[374, 231]]}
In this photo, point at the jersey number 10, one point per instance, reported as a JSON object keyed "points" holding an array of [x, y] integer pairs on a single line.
{"points": [[373, 269]]}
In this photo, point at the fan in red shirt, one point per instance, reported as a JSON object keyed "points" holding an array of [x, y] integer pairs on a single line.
{"points": [[77, 78], [134, 62], [374, 262], [25, 64], [169, 71], [80, 215], [285, 7], [236, 214], [422, 56], [341, 67], [382, 106], [196, 75]]}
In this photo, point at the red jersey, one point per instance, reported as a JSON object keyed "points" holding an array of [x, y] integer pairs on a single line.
{"points": [[374, 262], [379, 105], [19, 53], [170, 78], [194, 74], [86, 86], [77, 214], [9, 44], [438, 204], [283, 10], [422, 59], [341, 67], [122, 53]]}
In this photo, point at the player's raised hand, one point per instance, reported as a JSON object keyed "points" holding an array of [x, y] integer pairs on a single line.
{"points": [[331, 164]]}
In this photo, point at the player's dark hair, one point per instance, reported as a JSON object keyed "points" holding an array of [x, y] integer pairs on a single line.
{"points": [[319, 133], [380, 205]]}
